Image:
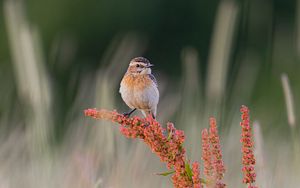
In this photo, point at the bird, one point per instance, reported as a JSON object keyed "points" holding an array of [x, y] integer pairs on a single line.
{"points": [[139, 89]]}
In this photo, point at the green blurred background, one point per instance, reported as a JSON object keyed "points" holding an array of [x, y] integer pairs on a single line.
{"points": [[59, 57]]}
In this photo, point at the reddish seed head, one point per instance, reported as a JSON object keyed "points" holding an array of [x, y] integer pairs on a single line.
{"points": [[167, 147], [248, 159], [217, 161], [196, 175], [206, 155]]}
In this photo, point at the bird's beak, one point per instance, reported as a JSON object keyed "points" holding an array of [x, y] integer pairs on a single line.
{"points": [[150, 65]]}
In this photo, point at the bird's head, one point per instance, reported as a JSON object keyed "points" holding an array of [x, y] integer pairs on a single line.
{"points": [[139, 65]]}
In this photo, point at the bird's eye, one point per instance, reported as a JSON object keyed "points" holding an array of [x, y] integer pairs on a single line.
{"points": [[137, 65]]}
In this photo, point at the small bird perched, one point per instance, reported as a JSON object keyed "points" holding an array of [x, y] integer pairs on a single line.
{"points": [[138, 87]]}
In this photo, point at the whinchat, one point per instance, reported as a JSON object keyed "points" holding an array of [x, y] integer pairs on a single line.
{"points": [[138, 87]]}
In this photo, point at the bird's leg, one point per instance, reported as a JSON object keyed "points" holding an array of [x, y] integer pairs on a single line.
{"points": [[153, 116], [129, 113]]}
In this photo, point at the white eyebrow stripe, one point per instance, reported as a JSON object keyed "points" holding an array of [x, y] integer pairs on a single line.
{"points": [[135, 63]]}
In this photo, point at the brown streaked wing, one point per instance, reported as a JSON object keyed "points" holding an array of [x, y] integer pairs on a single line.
{"points": [[153, 79]]}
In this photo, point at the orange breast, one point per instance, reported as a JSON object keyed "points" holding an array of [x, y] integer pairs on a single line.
{"points": [[136, 82]]}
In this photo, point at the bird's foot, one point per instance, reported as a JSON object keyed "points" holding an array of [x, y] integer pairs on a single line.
{"points": [[127, 114]]}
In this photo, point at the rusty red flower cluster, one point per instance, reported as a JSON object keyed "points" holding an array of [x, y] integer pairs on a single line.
{"points": [[196, 175], [248, 159], [217, 161], [206, 155], [167, 144], [212, 156]]}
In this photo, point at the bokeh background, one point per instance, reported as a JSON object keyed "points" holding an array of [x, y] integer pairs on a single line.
{"points": [[59, 57]]}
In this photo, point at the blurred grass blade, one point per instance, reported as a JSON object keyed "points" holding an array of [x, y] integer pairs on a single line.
{"points": [[220, 50], [31, 77], [262, 178], [289, 100]]}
